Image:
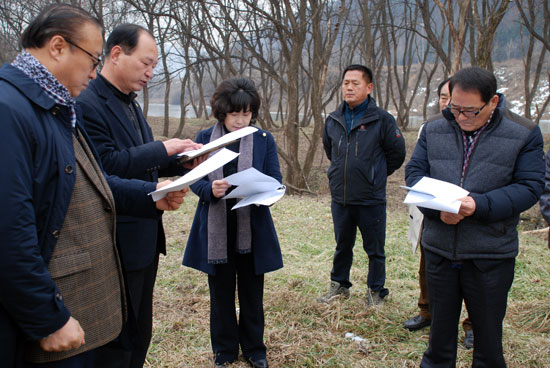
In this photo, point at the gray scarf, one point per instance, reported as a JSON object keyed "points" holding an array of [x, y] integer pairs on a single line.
{"points": [[217, 215]]}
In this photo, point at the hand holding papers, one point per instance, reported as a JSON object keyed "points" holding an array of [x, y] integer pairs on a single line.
{"points": [[255, 188], [435, 194], [205, 168], [223, 141]]}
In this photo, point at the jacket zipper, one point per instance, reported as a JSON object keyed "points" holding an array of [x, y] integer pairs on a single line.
{"points": [[347, 151], [347, 154]]}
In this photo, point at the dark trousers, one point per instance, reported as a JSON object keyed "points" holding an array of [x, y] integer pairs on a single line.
{"points": [[371, 221], [83, 360], [484, 286], [423, 301], [226, 332], [129, 350]]}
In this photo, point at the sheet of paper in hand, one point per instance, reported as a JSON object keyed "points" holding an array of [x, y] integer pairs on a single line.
{"points": [[205, 168], [221, 142], [435, 194], [254, 188]]}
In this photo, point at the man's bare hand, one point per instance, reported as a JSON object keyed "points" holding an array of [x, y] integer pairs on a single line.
{"points": [[219, 187], [173, 200], [176, 145], [450, 218], [68, 337], [468, 206]]}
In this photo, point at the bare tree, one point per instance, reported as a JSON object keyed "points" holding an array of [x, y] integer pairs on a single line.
{"points": [[406, 52], [456, 28], [535, 18], [486, 16]]}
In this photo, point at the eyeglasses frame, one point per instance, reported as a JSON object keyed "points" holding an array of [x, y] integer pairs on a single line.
{"points": [[96, 60], [459, 111]]}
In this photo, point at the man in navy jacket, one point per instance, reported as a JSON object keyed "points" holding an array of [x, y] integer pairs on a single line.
{"points": [[498, 157], [124, 140], [364, 146], [41, 194]]}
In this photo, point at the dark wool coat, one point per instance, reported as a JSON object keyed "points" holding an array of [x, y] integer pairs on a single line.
{"points": [[37, 156], [122, 154], [265, 245]]}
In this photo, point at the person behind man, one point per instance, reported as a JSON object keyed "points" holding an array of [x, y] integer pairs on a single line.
{"points": [[61, 289], [545, 197], [124, 141], [364, 146], [498, 157], [423, 318]]}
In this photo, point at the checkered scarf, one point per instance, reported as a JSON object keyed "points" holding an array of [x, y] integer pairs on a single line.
{"points": [[33, 69]]}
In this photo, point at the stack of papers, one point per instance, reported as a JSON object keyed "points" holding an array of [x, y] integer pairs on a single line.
{"points": [[435, 194], [254, 188], [223, 141], [205, 168]]}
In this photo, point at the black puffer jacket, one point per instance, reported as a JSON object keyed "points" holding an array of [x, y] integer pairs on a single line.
{"points": [[362, 160]]}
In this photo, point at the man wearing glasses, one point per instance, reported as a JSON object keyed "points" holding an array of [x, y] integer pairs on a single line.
{"points": [[498, 157], [61, 287]]}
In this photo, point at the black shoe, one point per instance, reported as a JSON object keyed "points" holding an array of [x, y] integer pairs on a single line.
{"points": [[416, 323], [469, 339], [223, 365], [260, 363]]}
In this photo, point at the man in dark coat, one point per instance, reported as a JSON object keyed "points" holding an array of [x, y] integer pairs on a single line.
{"points": [[364, 146], [545, 197], [61, 292], [498, 157], [125, 143]]}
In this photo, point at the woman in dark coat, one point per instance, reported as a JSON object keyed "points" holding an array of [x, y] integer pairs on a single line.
{"points": [[235, 248]]}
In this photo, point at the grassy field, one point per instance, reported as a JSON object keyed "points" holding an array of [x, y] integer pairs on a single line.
{"points": [[302, 333]]}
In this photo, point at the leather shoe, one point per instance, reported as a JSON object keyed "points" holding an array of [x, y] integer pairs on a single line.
{"points": [[260, 363], [469, 339], [222, 365], [416, 323]]}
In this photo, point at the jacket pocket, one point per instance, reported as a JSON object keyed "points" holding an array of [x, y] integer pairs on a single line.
{"points": [[69, 264]]}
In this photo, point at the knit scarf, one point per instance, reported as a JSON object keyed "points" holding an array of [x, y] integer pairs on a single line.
{"points": [[217, 215], [33, 69]]}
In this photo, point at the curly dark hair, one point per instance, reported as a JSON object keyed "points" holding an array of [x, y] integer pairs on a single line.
{"points": [[234, 95]]}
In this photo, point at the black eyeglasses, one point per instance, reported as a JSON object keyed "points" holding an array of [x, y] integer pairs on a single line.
{"points": [[95, 59], [468, 114]]}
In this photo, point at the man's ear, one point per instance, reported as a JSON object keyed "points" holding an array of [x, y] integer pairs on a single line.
{"points": [[116, 53], [370, 87], [57, 47], [494, 101]]}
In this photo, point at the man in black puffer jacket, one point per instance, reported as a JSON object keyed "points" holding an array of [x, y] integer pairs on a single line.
{"points": [[498, 157], [364, 146]]}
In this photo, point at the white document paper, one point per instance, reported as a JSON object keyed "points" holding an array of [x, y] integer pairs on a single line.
{"points": [[205, 168], [223, 141], [435, 194], [254, 188]]}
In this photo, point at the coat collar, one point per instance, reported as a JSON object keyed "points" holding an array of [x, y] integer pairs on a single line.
{"points": [[113, 104], [26, 86]]}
